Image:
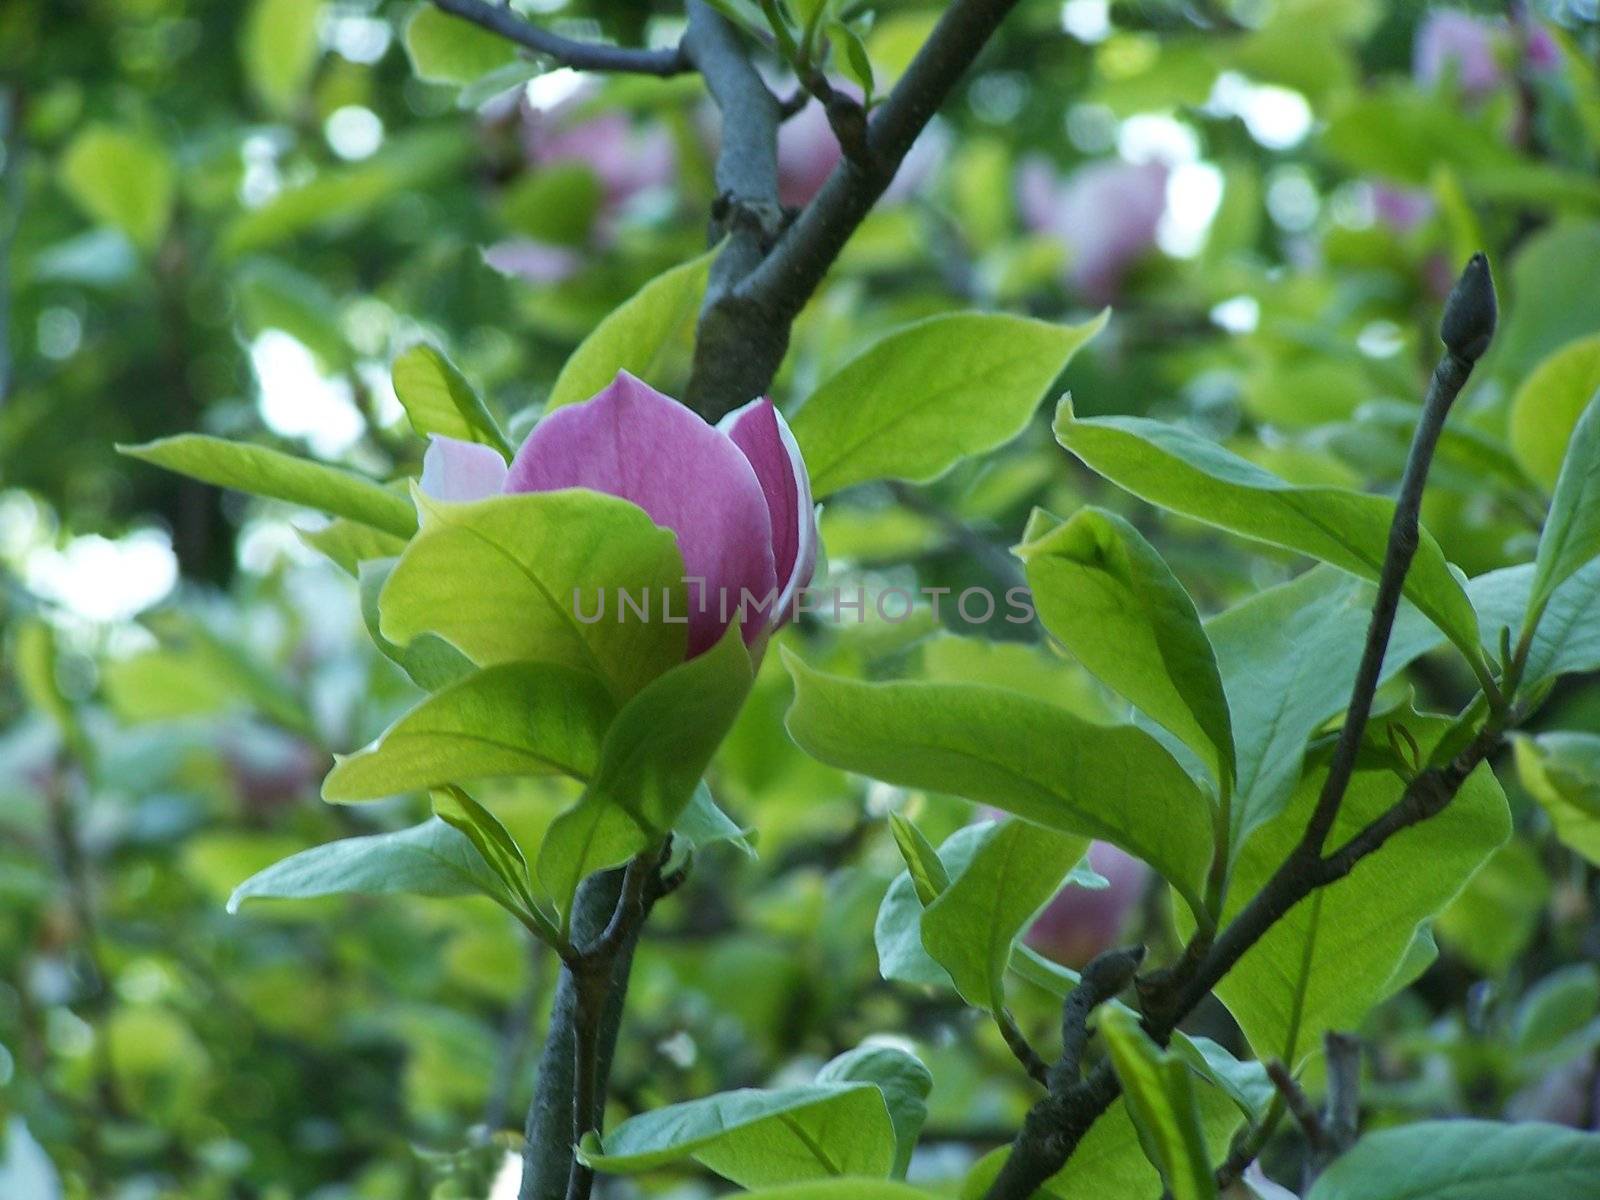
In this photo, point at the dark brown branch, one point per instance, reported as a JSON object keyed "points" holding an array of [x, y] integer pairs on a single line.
{"points": [[585, 56], [1342, 1119], [1299, 1106], [1404, 534], [744, 328], [1057, 1124], [1071, 1102]]}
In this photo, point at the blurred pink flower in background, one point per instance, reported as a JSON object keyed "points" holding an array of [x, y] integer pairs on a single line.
{"points": [[1104, 213], [1400, 208], [1478, 52], [1082, 922], [627, 159], [808, 152]]}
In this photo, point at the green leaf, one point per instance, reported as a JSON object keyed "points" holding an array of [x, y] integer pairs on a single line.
{"points": [[1548, 406], [927, 873], [663, 739], [1106, 593], [897, 932], [1550, 280], [504, 579], [1464, 1160], [1558, 1006], [498, 849], [1110, 1162], [264, 472], [273, 295], [431, 859], [557, 203], [756, 1138], [1176, 469], [521, 718], [438, 399], [852, 56], [1016, 753], [702, 823], [1335, 955], [36, 662], [1244, 1082], [1395, 133], [1567, 639], [904, 1082], [919, 400], [649, 770], [839, 1189], [1561, 771], [447, 49], [1571, 535], [1288, 657], [590, 836], [431, 662], [279, 47], [1496, 915], [122, 179], [349, 544], [195, 672], [969, 929], [1159, 1092], [337, 198], [639, 336]]}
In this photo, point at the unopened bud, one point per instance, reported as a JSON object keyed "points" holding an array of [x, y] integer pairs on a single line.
{"points": [[1470, 311]]}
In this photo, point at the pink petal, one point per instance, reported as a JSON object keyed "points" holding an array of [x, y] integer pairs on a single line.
{"points": [[633, 442], [760, 431], [457, 470]]}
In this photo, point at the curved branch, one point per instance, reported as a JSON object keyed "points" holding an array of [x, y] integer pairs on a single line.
{"points": [[1058, 1123], [744, 328], [585, 56]]}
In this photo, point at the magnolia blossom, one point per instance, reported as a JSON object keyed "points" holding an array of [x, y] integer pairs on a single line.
{"points": [[1477, 52], [737, 494], [1081, 922], [1105, 214]]}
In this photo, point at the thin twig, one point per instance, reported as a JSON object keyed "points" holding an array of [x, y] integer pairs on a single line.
{"points": [[1404, 535], [1069, 1100], [1342, 1119], [584, 56], [1299, 1105], [1021, 1049]]}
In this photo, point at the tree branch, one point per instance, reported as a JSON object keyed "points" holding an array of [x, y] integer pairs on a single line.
{"points": [[744, 327], [1046, 1141], [584, 56], [608, 915], [1071, 1102], [1404, 534]]}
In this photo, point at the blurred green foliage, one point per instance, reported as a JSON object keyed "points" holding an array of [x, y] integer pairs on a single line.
{"points": [[231, 218]]}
